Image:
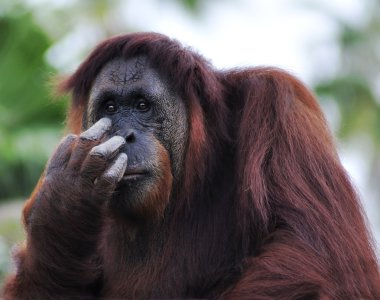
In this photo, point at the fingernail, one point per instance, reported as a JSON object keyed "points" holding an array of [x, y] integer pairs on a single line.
{"points": [[96, 131], [118, 167]]}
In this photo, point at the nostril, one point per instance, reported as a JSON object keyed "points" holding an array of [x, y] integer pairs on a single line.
{"points": [[130, 138]]}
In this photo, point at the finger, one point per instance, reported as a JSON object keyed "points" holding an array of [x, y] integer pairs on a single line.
{"points": [[113, 174], [86, 141], [96, 131], [62, 154], [109, 148], [99, 156]]}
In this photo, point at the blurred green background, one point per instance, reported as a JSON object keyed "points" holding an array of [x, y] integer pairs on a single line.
{"points": [[36, 37]]}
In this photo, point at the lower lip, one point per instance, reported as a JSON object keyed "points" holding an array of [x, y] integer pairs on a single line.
{"points": [[132, 176]]}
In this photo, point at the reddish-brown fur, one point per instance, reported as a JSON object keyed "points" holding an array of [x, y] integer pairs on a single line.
{"points": [[264, 209]]}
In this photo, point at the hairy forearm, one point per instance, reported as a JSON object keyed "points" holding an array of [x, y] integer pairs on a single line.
{"points": [[60, 255]]}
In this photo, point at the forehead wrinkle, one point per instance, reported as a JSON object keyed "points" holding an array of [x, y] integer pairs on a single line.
{"points": [[120, 75], [115, 75]]}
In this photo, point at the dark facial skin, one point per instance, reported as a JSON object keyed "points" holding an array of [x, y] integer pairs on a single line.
{"points": [[150, 117]]}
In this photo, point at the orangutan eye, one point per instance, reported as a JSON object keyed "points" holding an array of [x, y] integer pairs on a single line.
{"points": [[143, 105], [110, 107]]}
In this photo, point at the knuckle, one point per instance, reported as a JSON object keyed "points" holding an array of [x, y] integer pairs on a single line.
{"points": [[97, 151], [84, 137], [91, 134], [69, 138], [66, 142]]}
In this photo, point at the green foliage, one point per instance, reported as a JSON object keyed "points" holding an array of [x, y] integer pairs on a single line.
{"points": [[358, 107], [351, 36], [191, 4], [11, 232], [24, 153], [24, 74], [25, 105], [356, 80]]}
